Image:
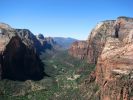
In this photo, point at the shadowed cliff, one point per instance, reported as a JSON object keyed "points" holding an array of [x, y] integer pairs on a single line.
{"points": [[20, 62]]}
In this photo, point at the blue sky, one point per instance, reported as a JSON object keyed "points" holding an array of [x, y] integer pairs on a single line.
{"points": [[65, 18]]}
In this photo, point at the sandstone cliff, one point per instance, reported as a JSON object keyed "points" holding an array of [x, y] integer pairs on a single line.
{"points": [[18, 59], [79, 49], [98, 37], [115, 64], [92, 47], [110, 47]]}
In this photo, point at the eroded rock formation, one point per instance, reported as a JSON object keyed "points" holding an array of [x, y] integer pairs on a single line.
{"points": [[18, 57], [46, 42], [79, 49], [92, 48], [110, 47], [21, 62], [114, 70]]}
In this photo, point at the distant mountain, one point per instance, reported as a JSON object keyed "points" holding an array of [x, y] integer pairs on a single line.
{"points": [[43, 40], [47, 43], [64, 42]]}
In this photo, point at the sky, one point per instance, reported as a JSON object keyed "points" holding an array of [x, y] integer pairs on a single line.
{"points": [[62, 18]]}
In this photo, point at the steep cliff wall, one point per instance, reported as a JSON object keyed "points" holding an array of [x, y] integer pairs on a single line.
{"points": [[110, 47], [79, 49], [115, 64], [21, 62], [18, 59], [92, 48], [46, 43]]}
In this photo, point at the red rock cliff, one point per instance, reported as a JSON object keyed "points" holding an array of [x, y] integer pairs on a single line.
{"points": [[110, 47], [79, 49], [115, 64], [92, 48]]}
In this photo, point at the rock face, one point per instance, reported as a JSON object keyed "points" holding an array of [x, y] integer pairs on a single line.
{"points": [[29, 39], [110, 47], [39, 42], [47, 43], [97, 40], [114, 70], [6, 32], [92, 48], [21, 62], [79, 49], [18, 57]]}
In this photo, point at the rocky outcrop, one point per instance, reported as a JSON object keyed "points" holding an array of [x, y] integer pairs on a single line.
{"points": [[98, 39], [79, 49], [114, 70], [110, 47], [31, 40], [21, 62], [47, 43], [39, 42], [18, 57], [6, 33], [93, 47]]}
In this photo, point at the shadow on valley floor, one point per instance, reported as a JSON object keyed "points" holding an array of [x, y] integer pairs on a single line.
{"points": [[65, 75]]}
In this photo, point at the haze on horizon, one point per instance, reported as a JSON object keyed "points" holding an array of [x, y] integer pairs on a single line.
{"points": [[62, 18]]}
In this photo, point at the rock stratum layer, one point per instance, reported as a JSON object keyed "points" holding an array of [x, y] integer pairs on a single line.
{"points": [[114, 70], [110, 47]]}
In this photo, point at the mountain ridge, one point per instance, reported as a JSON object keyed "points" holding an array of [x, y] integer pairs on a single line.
{"points": [[65, 42]]}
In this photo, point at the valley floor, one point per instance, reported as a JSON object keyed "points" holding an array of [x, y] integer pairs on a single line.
{"points": [[66, 76]]}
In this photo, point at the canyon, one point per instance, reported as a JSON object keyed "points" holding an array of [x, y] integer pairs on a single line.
{"points": [[19, 53], [99, 68], [110, 47]]}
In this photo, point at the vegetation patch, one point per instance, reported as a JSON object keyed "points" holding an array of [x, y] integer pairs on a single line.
{"points": [[66, 75]]}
